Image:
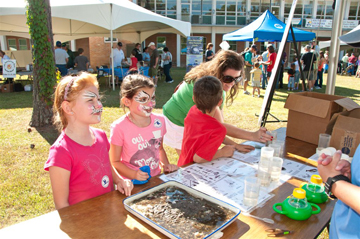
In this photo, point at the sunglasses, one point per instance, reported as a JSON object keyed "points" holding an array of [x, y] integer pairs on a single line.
{"points": [[230, 79]]}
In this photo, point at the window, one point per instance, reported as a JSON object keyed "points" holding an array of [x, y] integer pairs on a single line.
{"points": [[163, 7], [161, 43], [23, 44], [12, 44], [354, 11], [233, 45]]}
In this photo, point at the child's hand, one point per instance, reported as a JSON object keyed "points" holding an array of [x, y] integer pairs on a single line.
{"points": [[141, 176], [228, 150], [170, 167], [125, 186], [244, 148]]}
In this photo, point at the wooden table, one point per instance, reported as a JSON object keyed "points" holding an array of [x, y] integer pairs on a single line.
{"points": [[106, 217]]}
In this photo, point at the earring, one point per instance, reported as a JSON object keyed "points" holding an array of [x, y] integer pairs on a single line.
{"points": [[71, 113]]}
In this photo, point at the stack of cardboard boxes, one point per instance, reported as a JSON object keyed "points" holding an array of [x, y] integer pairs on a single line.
{"points": [[313, 113]]}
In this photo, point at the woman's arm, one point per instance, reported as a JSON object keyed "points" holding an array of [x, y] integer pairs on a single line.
{"points": [[122, 169], [60, 179]]}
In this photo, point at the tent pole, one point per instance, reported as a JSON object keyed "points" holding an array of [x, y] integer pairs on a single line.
{"points": [[298, 56], [334, 46], [111, 49]]}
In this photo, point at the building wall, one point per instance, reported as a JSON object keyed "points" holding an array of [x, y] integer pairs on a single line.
{"points": [[84, 44]]}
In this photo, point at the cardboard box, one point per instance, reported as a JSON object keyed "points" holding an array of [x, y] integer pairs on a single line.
{"points": [[310, 114], [6, 88], [345, 134]]}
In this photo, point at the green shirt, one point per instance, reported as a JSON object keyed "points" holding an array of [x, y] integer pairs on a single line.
{"points": [[248, 57], [180, 103]]}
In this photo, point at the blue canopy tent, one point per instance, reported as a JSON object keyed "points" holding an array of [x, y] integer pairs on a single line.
{"points": [[267, 28]]}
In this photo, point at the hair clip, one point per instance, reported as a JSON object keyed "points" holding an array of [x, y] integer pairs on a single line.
{"points": [[68, 87]]}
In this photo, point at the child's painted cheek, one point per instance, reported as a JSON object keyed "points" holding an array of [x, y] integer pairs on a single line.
{"points": [[152, 103], [99, 104], [91, 109]]}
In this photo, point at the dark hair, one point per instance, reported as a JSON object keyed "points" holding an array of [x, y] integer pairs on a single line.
{"points": [[131, 84], [166, 49], [292, 64], [222, 61], [133, 52], [257, 64], [271, 49], [145, 49], [80, 50], [119, 43], [137, 44], [2, 53], [207, 93], [209, 45]]}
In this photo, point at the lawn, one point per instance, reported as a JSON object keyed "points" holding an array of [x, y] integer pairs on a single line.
{"points": [[25, 186]]}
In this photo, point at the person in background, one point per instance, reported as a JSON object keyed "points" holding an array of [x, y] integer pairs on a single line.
{"points": [[119, 56], [61, 59], [271, 61], [227, 66], [265, 57], [297, 73], [308, 59], [319, 80], [203, 134], [136, 138], [279, 83], [209, 54], [146, 56], [154, 63], [358, 68], [352, 63], [256, 78], [5, 57], [326, 64], [138, 54], [343, 180], [70, 62], [345, 61], [291, 77], [133, 69], [78, 162], [167, 58], [81, 62], [248, 66]]}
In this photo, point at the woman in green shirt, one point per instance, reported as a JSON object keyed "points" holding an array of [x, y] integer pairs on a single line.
{"points": [[226, 66]]}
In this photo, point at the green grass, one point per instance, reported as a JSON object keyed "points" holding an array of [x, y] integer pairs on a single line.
{"points": [[25, 186]]}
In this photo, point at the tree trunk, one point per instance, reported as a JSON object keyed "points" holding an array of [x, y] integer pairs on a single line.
{"points": [[42, 105]]}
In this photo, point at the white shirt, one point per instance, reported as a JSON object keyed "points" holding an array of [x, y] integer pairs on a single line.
{"points": [[296, 65], [164, 55], [265, 55], [60, 56], [118, 56], [5, 57]]}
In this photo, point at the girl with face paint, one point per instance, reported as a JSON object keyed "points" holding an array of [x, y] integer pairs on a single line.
{"points": [[78, 162], [136, 138]]}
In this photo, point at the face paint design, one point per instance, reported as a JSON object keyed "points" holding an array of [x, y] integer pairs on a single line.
{"points": [[88, 95], [143, 98]]}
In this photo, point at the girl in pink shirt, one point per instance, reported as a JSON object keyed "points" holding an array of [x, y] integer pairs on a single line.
{"points": [[78, 162], [136, 139]]}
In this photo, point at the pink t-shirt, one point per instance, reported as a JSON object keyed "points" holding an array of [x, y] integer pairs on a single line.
{"points": [[140, 146], [89, 166]]}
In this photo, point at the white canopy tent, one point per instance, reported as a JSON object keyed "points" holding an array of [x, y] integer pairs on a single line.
{"points": [[73, 19]]}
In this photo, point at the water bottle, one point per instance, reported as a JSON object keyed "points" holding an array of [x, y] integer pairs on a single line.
{"points": [[298, 199]]}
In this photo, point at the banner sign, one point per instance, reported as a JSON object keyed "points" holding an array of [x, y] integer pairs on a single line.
{"points": [[327, 23], [194, 52], [9, 68]]}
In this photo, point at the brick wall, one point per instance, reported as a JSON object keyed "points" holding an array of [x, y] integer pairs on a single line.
{"points": [[84, 44], [170, 43]]}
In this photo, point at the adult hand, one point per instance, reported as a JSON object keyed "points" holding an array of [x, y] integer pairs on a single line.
{"points": [[244, 148], [343, 166], [125, 186], [228, 150], [329, 170], [170, 167], [262, 136], [141, 176]]}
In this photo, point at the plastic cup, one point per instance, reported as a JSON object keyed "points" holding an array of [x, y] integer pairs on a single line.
{"points": [[251, 191], [264, 166], [282, 143], [273, 134], [324, 141], [276, 167], [277, 149]]}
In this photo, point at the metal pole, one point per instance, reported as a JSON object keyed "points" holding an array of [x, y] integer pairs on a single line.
{"points": [[112, 50], [335, 46]]}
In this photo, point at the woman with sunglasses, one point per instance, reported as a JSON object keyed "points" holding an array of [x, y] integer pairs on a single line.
{"points": [[226, 66]]}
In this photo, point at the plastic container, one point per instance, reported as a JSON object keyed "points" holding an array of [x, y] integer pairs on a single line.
{"points": [[296, 206], [315, 191]]}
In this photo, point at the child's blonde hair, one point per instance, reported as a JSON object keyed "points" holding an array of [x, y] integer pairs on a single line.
{"points": [[68, 89], [131, 84]]}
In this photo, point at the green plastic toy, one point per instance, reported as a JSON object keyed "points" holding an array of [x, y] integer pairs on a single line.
{"points": [[315, 192], [296, 206]]}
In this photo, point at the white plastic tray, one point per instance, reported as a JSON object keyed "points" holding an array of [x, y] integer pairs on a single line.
{"points": [[127, 202]]}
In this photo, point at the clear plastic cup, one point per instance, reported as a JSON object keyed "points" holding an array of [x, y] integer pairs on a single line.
{"points": [[264, 167], [251, 191], [324, 141], [282, 150], [276, 167], [273, 134], [277, 149]]}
